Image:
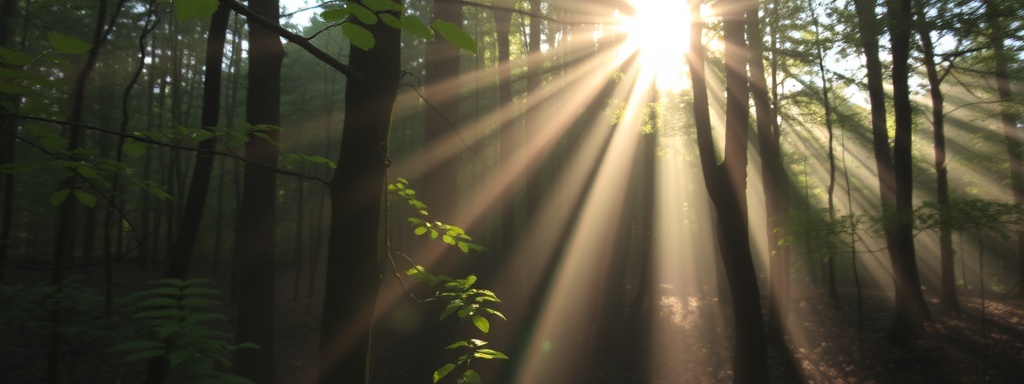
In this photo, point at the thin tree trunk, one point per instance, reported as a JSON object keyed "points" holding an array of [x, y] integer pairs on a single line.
{"points": [[948, 275], [199, 187], [67, 210], [830, 256]]}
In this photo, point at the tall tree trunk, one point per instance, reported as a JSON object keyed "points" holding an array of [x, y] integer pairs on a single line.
{"points": [[773, 176], [830, 263], [353, 272], [948, 273], [257, 226], [911, 311], [67, 210], [184, 247], [726, 183], [1012, 134], [8, 13]]}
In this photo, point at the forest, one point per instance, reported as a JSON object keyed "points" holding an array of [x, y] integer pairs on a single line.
{"points": [[511, 191]]}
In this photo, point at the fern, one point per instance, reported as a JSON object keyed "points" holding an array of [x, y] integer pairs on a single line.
{"points": [[175, 315]]}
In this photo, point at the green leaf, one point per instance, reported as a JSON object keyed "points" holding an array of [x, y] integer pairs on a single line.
{"points": [[141, 355], [53, 142], [159, 302], [496, 313], [481, 323], [180, 355], [455, 35], [66, 44], [138, 344], [390, 20], [463, 246], [485, 353], [15, 58], [86, 198], [133, 148], [362, 13], [199, 302], [433, 234], [458, 344], [358, 36], [382, 5], [336, 14], [415, 26], [448, 239], [58, 197], [420, 230], [470, 377], [197, 291], [440, 373], [191, 9], [451, 308]]}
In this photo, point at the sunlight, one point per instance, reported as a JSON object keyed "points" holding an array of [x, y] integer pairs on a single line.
{"points": [[658, 31]]}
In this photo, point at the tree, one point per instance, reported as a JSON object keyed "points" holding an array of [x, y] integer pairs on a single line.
{"points": [[910, 310], [773, 176], [356, 191], [948, 275], [994, 11], [256, 231], [726, 183]]}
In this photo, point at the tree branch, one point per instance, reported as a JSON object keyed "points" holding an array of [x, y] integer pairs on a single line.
{"points": [[292, 38]]}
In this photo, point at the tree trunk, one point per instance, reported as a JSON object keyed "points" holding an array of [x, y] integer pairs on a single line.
{"points": [[184, 247], [726, 183], [773, 176], [257, 227], [1012, 134], [353, 272], [830, 263], [911, 311], [8, 13], [948, 274]]}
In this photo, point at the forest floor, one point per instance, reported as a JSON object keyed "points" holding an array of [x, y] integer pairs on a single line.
{"points": [[824, 347]]}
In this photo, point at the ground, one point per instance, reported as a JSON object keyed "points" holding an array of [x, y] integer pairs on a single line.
{"points": [[692, 340]]}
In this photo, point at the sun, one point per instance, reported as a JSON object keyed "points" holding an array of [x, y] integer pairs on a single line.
{"points": [[658, 31]]}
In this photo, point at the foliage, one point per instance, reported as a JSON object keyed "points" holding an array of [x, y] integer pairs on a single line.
{"points": [[458, 295], [368, 12], [175, 314], [967, 214]]}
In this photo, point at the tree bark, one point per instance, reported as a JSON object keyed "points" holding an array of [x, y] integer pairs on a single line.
{"points": [[726, 183], [948, 273], [184, 247], [1012, 134], [911, 310], [257, 227], [353, 273], [773, 177]]}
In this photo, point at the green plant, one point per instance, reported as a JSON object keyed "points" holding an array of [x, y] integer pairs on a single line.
{"points": [[174, 316], [459, 296]]}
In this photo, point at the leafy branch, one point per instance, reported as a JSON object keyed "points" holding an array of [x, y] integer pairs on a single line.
{"points": [[459, 296]]}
